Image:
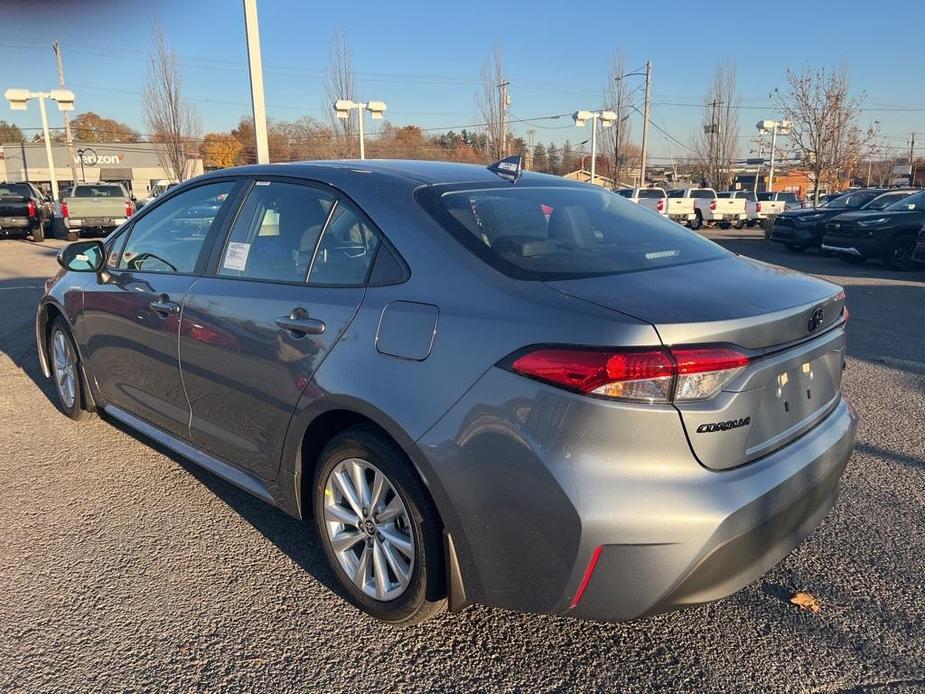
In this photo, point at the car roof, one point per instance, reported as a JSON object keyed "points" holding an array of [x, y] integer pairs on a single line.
{"points": [[421, 171]]}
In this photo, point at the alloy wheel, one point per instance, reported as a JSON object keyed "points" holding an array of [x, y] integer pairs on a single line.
{"points": [[65, 371], [369, 529]]}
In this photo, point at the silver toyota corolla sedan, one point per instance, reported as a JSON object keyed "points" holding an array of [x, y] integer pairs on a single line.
{"points": [[479, 386]]}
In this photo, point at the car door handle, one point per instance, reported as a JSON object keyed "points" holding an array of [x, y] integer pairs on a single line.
{"points": [[298, 324], [164, 307]]}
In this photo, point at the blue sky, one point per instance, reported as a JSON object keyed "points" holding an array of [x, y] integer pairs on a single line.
{"points": [[424, 59]]}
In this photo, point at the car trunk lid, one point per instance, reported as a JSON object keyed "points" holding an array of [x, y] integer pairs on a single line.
{"points": [[787, 323]]}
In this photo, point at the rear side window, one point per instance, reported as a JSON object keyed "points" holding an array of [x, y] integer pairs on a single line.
{"points": [[276, 232], [346, 250], [98, 192], [565, 232], [13, 190], [169, 238], [651, 193]]}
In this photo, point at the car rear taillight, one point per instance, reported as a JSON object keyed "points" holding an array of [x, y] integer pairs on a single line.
{"points": [[656, 375], [30, 206], [713, 204], [661, 205], [129, 208], [64, 212], [758, 207]]}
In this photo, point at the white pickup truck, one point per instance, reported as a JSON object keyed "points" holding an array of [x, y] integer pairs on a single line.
{"points": [[680, 210], [773, 203], [753, 213], [711, 209], [96, 207]]}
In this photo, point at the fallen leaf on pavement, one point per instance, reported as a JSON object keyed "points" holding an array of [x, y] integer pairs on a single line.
{"points": [[806, 601]]}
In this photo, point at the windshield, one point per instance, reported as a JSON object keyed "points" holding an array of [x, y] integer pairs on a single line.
{"points": [[12, 190], [851, 201], [909, 203], [540, 233], [98, 192]]}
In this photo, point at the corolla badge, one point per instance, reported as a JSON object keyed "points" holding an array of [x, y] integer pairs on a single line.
{"points": [[815, 319]]}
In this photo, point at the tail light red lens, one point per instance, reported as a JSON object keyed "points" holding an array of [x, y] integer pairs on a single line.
{"points": [[713, 204], [661, 205], [758, 207], [30, 206], [64, 212], [129, 209], [657, 375]]}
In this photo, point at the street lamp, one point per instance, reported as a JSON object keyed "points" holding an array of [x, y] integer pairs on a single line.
{"points": [[18, 99], [343, 107], [607, 119], [774, 127]]}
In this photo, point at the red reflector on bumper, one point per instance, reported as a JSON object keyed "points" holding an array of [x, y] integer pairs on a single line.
{"points": [[587, 577]]}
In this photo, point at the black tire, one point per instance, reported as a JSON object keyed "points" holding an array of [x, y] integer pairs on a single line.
{"points": [[75, 408], [738, 224], [751, 223], [898, 255], [425, 595], [697, 221], [38, 234], [72, 236], [723, 225], [795, 247]]}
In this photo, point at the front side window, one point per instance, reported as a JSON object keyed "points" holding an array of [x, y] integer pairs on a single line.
{"points": [[587, 232], [346, 250], [170, 236], [276, 232]]}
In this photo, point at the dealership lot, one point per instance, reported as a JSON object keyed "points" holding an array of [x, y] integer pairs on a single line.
{"points": [[124, 566]]}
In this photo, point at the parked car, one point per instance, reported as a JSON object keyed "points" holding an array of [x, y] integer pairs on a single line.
{"points": [[802, 229], [886, 228], [24, 211], [526, 396], [775, 202], [710, 209], [95, 207], [159, 188], [752, 206], [679, 210]]}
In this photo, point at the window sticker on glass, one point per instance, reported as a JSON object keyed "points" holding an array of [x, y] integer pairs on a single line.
{"points": [[236, 256]]}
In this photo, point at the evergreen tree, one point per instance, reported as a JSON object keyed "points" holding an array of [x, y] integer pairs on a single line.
{"points": [[540, 163], [553, 160]]}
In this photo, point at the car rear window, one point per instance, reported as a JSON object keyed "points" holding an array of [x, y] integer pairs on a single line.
{"points": [[703, 194], [98, 192], [553, 233], [651, 193], [11, 190]]}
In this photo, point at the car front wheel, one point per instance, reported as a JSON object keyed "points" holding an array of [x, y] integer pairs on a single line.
{"points": [[899, 253], [380, 530], [66, 372]]}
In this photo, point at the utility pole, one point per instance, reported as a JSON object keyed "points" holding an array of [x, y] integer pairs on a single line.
{"points": [[712, 130], [645, 126], [256, 74], [616, 148], [912, 160], [760, 143], [68, 138], [531, 133], [773, 152], [503, 102]]}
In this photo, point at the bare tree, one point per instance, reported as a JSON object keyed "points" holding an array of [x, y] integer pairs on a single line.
{"points": [[717, 146], [341, 84], [489, 104], [615, 141], [171, 120], [824, 124]]}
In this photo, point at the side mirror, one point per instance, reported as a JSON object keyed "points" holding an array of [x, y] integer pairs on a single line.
{"points": [[133, 198], [83, 256]]}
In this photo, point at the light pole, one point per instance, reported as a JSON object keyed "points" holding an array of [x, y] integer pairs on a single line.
{"points": [[343, 107], [18, 99], [255, 66], [774, 127], [620, 117], [607, 119]]}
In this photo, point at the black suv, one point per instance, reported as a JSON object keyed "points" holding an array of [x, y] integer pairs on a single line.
{"points": [[801, 229], [888, 233]]}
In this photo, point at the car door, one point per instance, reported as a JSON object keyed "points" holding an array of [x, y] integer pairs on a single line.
{"points": [[287, 281], [130, 322]]}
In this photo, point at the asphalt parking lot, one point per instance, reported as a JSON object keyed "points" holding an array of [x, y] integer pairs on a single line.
{"points": [[124, 567]]}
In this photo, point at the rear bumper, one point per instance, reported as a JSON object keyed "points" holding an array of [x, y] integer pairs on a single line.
{"points": [[535, 480], [19, 224]]}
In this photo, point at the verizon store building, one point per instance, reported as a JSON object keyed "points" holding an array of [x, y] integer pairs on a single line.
{"points": [[135, 165]]}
